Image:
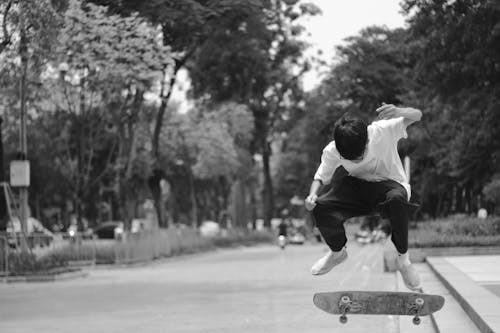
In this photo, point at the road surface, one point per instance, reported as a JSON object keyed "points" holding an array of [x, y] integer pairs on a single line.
{"points": [[259, 289]]}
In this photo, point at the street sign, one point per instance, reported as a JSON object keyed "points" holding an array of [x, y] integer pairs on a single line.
{"points": [[20, 173]]}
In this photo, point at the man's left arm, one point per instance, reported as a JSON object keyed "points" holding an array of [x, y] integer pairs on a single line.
{"points": [[389, 111]]}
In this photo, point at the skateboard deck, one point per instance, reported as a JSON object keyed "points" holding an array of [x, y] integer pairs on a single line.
{"points": [[378, 303]]}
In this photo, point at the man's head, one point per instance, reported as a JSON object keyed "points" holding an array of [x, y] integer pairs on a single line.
{"points": [[350, 135]]}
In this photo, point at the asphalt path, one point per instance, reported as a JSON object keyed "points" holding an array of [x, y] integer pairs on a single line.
{"points": [[255, 289]]}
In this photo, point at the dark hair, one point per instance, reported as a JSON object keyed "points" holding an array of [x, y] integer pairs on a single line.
{"points": [[350, 135]]}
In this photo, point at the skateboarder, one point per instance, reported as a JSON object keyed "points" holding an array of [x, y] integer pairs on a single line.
{"points": [[366, 175]]}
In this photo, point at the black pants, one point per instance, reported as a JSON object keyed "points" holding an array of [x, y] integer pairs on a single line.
{"points": [[349, 197]]}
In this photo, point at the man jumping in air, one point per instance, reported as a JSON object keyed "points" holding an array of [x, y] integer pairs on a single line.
{"points": [[366, 175]]}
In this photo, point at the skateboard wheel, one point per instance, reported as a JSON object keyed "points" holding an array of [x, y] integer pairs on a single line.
{"points": [[345, 299], [419, 301], [416, 321], [343, 319]]}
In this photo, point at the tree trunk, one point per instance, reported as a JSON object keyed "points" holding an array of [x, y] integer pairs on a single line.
{"points": [[458, 191], [253, 203], [194, 205], [238, 205], [267, 191], [439, 207], [154, 183], [261, 116], [468, 199]]}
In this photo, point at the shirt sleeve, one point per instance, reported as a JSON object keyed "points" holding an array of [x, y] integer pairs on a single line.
{"points": [[330, 161], [395, 127]]}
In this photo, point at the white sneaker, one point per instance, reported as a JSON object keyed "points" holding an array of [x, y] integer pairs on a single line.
{"points": [[327, 262], [410, 276]]}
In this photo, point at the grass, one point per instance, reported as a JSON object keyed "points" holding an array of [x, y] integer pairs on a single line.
{"points": [[456, 231], [29, 264]]}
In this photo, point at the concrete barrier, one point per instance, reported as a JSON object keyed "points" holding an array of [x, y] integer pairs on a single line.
{"points": [[481, 305], [419, 255]]}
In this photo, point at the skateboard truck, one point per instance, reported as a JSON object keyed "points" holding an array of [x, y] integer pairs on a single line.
{"points": [[415, 308], [345, 307]]}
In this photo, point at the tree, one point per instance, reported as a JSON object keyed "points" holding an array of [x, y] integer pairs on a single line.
{"points": [[186, 26], [27, 32], [40, 19], [373, 68], [225, 135], [456, 47], [206, 151], [106, 63], [444, 63], [260, 66], [370, 68]]}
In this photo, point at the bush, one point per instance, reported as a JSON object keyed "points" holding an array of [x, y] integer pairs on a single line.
{"points": [[28, 263], [474, 228], [457, 231], [136, 247], [145, 246], [86, 251]]}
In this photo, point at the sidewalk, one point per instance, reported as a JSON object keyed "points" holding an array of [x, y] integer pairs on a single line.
{"points": [[452, 318], [464, 282], [470, 285], [484, 270], [472, 280]]}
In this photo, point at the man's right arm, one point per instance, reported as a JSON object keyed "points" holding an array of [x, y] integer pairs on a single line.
{"points": [[310, 201], [329, 163]]}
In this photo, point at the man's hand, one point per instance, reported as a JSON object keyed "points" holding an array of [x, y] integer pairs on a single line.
{"points": [[389, 111], [310, 202]]}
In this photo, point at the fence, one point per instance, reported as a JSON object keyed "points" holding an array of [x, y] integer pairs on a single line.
{"points": [[150, 245], [131, 247], [10, 244]]}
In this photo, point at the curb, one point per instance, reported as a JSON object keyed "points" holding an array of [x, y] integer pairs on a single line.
{"points": [[45, 277], [419, 255], [479, 303]]}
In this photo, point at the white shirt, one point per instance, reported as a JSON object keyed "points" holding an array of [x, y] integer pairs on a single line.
{"points": [[381, 161]]}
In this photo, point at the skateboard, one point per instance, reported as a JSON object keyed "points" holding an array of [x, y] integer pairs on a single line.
{"points": [[377, 303]]}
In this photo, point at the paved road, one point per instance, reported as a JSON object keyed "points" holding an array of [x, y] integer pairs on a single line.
{"points": [[260, 289]]}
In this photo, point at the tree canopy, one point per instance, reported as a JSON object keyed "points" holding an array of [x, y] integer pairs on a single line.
{"points": [[104, 131], [445, 63]]}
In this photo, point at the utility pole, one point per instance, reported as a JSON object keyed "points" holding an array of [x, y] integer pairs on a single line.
{"points": [[4, 218], [23, 147]]}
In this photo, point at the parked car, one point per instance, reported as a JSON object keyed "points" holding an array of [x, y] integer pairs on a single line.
{"points": [[209, 228], [109, 230], [297, 238]]}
